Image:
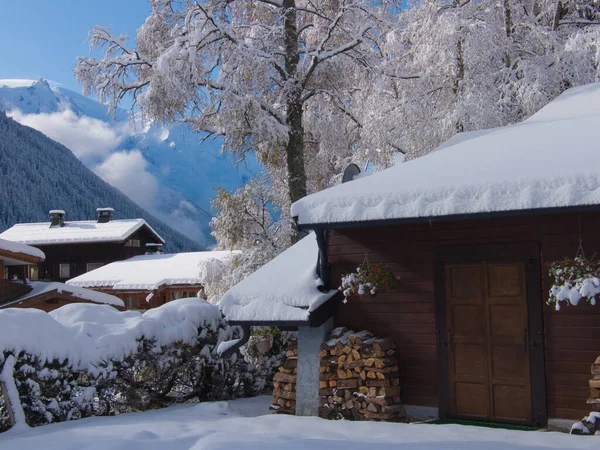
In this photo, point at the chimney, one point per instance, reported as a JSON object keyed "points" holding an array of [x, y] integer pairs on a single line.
{"points": [[153, 248], [57, 218], [105, 214]]}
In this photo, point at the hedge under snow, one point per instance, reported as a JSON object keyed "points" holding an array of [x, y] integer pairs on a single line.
{"points": [[86, 359]]}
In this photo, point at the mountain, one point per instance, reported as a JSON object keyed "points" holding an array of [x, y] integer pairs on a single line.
{"points": [[38, 174], [166, 170]]}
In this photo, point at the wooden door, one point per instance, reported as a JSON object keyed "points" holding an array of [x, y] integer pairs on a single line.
{"points": [[487, 338]]}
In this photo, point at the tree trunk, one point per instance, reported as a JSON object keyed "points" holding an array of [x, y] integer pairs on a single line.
{"points": [[460, 75], [558, 12], [295, 145], [508, 26]]}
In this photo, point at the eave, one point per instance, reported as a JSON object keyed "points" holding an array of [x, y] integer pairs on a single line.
{"points": [[448, 218]]}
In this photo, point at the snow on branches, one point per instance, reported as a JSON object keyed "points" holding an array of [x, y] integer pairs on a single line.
{"points": [[242, 70], [84, 360]]}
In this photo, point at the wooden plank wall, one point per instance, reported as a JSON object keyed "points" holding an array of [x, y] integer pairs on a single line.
{"points": [[572, 335]]}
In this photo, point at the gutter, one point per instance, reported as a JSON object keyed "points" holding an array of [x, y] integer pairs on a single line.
{"points": [[449, 218]]}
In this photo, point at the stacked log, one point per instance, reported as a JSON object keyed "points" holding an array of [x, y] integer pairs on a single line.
{"points": [[284, 383], [595, 385], [359, 377]]}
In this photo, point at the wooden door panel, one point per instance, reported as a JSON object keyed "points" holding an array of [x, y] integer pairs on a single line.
{"points": [[511, 404], [468, 323], [508, 340], [506, 322], [505, 280], [508, 362], [486, 312], [465, 282], [470, 361], [471, 400]]}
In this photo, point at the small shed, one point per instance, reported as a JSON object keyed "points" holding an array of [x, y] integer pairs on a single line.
{"points": [[469, 231]]}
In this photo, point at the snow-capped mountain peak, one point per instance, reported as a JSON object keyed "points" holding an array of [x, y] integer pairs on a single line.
{"points": [[163, 169]]}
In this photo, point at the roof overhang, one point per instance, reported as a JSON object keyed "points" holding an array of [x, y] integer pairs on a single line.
{"points": [[48, 295], [18, 259], [316, 318], [450, 218]]}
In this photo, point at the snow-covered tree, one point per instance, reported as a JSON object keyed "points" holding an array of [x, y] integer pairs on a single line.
{"points": [[477, 65], [241, 69]]}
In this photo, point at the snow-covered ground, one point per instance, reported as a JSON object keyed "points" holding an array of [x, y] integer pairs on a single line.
{"points": [[247, 425]]}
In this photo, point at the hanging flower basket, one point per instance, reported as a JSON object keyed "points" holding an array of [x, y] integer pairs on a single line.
{"points": [[574, 279], [367, 280]]}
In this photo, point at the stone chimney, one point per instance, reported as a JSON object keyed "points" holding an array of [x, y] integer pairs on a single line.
{"points": [[57, 218], [105, 214], [153, 248]]}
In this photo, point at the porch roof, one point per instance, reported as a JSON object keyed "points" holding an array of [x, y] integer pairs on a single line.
{"points": [[285, 290]]}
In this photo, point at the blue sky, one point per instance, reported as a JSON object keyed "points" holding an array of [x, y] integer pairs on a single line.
{"points": [[42, 38]]}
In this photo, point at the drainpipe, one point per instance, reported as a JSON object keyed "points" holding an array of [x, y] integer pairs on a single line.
{"points": [[323, 264], [241, 341]]}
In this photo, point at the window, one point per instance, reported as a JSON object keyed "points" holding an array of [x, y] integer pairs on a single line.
{"points": [[184, 295], [130, 302], [93, 266], [132, 243], [64, 270], [193, 294], [33, 273]]}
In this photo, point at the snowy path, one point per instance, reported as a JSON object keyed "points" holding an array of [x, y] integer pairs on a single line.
{"points": [[240, 425]]}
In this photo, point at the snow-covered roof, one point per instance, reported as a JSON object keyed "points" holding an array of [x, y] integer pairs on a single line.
{"points": [[149, 272], [550, 160], [75, 232], [41, 288], [284, 289], [14, 247]]}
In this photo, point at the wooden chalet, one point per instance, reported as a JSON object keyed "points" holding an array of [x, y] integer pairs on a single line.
{"points": [[150, 280], [76, 247], [469, 232], [49, 296], [40, 295]]}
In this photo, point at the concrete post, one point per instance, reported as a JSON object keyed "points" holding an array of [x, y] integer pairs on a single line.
{"points": [[307, 381]]}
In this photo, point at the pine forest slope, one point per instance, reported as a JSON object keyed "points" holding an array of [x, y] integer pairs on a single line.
{"points": [[38, 174], [177, 174]]}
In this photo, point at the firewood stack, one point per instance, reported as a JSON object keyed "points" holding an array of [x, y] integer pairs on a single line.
{"points": [[284, 383], [359, 377], [595, 385]]}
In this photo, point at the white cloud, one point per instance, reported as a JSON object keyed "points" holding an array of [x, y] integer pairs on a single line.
{"points": [[89, 139], [127, 172]]}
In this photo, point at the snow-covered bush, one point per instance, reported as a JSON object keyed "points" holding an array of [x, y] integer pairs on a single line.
{"points": [[85, 359], [574, 279], [367, 279], [49, 391]]}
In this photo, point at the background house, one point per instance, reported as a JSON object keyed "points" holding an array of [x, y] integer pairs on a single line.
{"points": [[49, 296], [148, 281], [76, 247], [469, 231], [40, 295]]}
